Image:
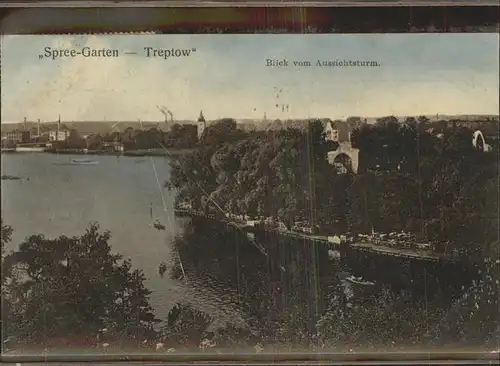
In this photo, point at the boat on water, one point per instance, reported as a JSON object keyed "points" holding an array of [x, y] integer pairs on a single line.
{"points": [[157, 225], [359, 281], [162, 269], [30, 149], [8, 149], [10, 177], [84, 162], [333, 254]]}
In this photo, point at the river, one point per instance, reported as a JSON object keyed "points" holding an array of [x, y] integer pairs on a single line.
{"points": [[60, 198], [234, 278]]}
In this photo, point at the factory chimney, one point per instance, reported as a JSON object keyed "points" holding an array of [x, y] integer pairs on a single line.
{"points": [[58, 127]]}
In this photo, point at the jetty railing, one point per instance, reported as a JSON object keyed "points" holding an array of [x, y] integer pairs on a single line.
{"points": [[425, 255]]}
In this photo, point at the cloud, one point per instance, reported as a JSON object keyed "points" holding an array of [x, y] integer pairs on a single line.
{"points": [[224, 81]]}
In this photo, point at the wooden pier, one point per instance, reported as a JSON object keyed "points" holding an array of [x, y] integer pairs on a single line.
{"points": [[423, 255]]}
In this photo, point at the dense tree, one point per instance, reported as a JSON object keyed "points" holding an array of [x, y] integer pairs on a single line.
{"points": [[94, 142], [354, 122], [181, 136], [387, 122], [387, 322], [151, 138], [222, 132], [6, 235], [186, 323], [73, 287], [440, 188], [409, 180], [474, 320], [74, 141], [279, 173]]}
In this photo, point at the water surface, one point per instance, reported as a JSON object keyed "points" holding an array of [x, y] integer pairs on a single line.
{"points": [[61, 198]]}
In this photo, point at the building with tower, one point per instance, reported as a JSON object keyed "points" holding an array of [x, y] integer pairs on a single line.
{"points": [[201, 125], [345, 157]]}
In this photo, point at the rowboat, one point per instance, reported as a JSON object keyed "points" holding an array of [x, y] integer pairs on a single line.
{"points": [[84, 162], [158, 226], [359, 281], [10, 177]]}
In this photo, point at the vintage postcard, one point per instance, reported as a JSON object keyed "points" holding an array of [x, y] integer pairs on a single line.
{"points": [[249, 194]]}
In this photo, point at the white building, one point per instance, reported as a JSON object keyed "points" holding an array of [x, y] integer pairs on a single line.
{"points": [[338, 131], [58, 135], [331, 133], [344, 157], [116, 146]]}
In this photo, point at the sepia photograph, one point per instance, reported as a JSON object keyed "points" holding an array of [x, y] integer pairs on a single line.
{"points": [[249, 194]]}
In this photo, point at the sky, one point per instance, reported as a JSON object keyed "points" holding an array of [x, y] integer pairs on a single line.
{"points": [[227, 76]]}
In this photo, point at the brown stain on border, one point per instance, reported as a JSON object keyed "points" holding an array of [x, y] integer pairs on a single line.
{"points": [[245, 20]]}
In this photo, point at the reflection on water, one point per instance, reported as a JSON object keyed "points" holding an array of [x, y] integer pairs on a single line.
{"points": [[289, 286], [62, 198], [273, 287], [283, 286]]}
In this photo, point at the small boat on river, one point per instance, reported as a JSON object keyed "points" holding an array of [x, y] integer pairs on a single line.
{"points": [[10, 177], [359, 281], [356, 288], [162, 269], [157, 225], [84, 162]]}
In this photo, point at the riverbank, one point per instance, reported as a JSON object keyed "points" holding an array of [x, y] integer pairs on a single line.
{"points": [[137, 153], [158, 152], [424, 255]]}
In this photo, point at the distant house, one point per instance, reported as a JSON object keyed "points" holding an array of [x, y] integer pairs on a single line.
{"points": [[115, 146], [489, 128], [467, 124], [338, 131], [17, 136], [345, 157], [331, 132], [59, 135]]}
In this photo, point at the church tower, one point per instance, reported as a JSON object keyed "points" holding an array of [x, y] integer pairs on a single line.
{"points": [[201, 125]]}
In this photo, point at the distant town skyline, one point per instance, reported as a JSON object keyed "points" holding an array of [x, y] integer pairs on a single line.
{"points": [[227, 76], [370, 119]]}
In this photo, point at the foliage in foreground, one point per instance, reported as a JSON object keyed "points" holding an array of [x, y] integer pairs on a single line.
{"points": [[398, 321], [388, 321], [69, 286], [438, 187]]}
